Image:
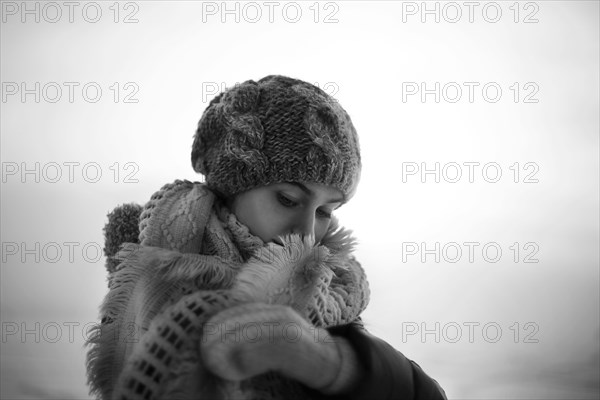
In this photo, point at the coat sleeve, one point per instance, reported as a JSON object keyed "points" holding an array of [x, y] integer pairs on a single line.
{"points": [[388, 374]]}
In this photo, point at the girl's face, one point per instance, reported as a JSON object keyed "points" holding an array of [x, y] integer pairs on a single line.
{"points": [[284, 208]]}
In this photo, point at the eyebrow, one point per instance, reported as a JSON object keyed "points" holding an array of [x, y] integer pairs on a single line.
{"points": [[311, 193]]}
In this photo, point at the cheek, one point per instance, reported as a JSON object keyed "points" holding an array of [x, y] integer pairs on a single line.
{"points": [[259, 215], [321, 230]]}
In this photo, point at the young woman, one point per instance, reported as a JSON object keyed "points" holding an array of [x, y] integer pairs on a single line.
{"points": [[245, 286]]}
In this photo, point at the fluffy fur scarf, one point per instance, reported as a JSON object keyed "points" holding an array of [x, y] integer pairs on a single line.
{"points": [[192, 260]]}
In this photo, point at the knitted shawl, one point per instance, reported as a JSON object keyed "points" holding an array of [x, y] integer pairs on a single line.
{"points": [[194, 259]]}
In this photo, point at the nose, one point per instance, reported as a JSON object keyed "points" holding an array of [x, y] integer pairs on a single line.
{"points": [[304, 224]]}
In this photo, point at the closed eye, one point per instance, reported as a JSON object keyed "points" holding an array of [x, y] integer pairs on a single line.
{"points": [[324, 213], [286, 201]]}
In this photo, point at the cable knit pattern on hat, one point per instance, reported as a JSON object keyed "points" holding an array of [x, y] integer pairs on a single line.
{"points": [[276, 130], [195, 260]]}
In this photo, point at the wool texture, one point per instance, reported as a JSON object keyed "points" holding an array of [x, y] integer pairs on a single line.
{"points": [[194, 259], [277, 339], [278, 129]]}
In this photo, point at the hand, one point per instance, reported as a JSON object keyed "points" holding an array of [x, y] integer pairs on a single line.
{"points": [[251, 339]]}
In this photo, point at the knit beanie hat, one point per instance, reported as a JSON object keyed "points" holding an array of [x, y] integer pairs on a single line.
{"points": [[276, 130]]}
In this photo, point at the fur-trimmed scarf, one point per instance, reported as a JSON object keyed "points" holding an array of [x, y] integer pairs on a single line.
{"points": [[194, 259]]}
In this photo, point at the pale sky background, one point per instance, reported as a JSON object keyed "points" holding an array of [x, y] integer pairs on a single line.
{"points": [[367, 59]]}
